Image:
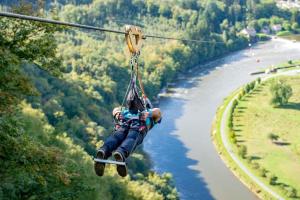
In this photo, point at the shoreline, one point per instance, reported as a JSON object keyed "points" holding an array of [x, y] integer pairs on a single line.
{"points": [[219, 134]]}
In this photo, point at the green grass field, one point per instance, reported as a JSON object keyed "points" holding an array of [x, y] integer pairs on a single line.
{"points": [[216, 137], [254, 119]]}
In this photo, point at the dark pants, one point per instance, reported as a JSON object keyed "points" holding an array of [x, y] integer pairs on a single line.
{"points": [[124, 140]]}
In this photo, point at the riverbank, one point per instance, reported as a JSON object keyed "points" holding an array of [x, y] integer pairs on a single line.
{"points": [[189, 110], [224, 141]]}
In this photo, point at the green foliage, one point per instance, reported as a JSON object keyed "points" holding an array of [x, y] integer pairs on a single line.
{"points": [[246, 89], [234, 104], [284, 33], [262, 172], [263, 37], [258, 80], [240, 96], [232, 137], [22, 42], [242, 151], [37, 168], [291, 192], [273, 137], [281, 92], [255, 165], [243, 93], [272, 179], [45, 165], [230, 122], [252, 85]]}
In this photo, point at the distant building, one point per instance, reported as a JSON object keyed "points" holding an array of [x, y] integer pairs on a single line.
{"points": [[276, 27], [249, 32]]}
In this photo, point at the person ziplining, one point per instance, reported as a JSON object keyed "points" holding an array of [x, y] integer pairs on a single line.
{"points": [[132, 122]]}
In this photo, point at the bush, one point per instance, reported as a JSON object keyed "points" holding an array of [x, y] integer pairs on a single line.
{"points": [[240, 97], [234, 104], [284, 33], [247, 89], [290, 62], [242, 151], [255, 165], [262, 172], [272, 179], [230, 124], [273, 137], [252, 85], [262, 37], [258, 80], [281, 92], [243, 93], [291, 192], [232, 137]]}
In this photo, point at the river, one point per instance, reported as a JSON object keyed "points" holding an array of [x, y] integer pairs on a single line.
{"points": [[182, 144]]}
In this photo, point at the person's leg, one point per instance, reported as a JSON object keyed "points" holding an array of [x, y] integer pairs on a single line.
{"points": [[134, 138], [114, 140], [124, 150], [111, 144]]}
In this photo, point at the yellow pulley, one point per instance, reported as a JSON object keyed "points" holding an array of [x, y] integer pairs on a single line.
{"points": [[134, 38]]}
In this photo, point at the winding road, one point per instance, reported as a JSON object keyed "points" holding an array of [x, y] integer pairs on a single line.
{"points": [[230, 151], [182, 145]]}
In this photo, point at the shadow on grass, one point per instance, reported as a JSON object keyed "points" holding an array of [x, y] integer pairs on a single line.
{"points": [[237, 130], [255, 158], [279, 143], [238, 125], [238, 116], [291, 106], [257, 90], [244, 99], [241, 108]]}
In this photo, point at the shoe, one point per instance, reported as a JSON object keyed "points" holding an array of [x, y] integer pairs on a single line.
{"points": [[99, 167], [121, 169]]}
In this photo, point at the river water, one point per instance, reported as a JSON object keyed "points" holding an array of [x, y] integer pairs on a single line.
{"points": [[182, 144]]}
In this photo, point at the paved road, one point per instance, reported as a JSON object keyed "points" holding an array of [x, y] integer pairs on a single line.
{"points": [[230, 151], [182, 143]]}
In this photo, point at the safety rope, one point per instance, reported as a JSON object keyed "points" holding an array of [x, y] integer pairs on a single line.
{"points": [[135, 75]]}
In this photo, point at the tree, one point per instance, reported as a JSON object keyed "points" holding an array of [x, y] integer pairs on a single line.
{"points": [[273, 137], [291, 192], [247, 88], [262, 172], [242, 151], [281, 92], [258, 80], [295, 17], [23, 42], [272, 179]]}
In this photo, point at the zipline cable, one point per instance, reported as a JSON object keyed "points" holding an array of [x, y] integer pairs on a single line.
{"points": [[181, 39], [50, 21]]}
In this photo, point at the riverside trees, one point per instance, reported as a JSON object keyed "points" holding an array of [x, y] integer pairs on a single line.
{"points": [[281, 92]]}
